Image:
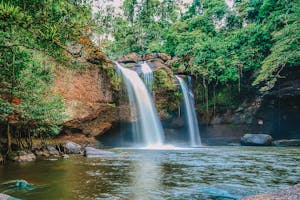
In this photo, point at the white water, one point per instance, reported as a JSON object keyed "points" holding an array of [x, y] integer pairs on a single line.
{"points": [[148, 131], [191, 117], [147, 75]]}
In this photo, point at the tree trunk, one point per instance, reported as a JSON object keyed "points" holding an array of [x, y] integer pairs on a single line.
{"points": [[206, 99], [8, 138]]}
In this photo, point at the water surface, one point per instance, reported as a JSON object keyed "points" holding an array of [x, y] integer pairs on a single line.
{"points": [[204, 173]]}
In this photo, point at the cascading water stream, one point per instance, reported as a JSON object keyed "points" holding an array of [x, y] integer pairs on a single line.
{"points": [[148, 132], [191, 118], [147, 75]]}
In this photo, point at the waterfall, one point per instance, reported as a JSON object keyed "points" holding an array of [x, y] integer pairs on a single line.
{"points": [[148, 131], [147, 75], [190, 115]]}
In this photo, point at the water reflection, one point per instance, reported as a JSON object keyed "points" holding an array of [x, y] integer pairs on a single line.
{"points": [[146, 177]]}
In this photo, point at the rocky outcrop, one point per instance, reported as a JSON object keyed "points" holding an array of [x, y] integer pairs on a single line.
{"points": [[21, 156], [292, 193], [129, 58], [89, 98], [256, 140]]}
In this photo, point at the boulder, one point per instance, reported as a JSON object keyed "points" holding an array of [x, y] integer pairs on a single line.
{"points": [[91, 152], [292, 193], [21, 156], [129, 58], [287, 143], [72, 148], [149, 56], [163, 56], [52, 150], [6, 197], [256, 140], [41, 153]]}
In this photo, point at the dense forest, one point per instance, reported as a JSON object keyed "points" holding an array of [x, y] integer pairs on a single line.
{"points": [[231, 50], [34, 37]]}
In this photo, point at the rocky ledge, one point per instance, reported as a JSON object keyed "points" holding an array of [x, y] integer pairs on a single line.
{"points": [[292, 193]]}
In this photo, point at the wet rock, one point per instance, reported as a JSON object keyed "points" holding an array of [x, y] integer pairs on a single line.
{"points": [[21, 156], [292, 193], [6, 197], [52, 150], [256, 140], [72, 148], [129, 58], [287, 143], [91, 152]]}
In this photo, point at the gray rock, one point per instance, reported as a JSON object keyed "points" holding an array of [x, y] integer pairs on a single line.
{"points": [[6, 197], [256, 140], [287, 143], [21, 156], [72, 148], [52, 150], [91, 152]]}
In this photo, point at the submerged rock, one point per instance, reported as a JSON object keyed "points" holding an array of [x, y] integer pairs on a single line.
{"points": [[6, 197], [72, 148], [287, 143], [91, 152], [256, 140], [292, 193], [21, 156]]}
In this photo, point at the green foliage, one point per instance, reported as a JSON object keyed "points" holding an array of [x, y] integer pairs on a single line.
{"points": [[33, 33]]}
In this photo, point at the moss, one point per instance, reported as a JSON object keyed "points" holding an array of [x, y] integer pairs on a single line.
{"points": [[113, 76], [167, 95], [163, 80]]}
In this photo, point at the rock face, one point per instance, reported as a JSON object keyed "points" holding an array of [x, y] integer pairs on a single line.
{"points": [[256, 140], [21, 156], [287, 143], [292, 193], [87, 95], [91, 152]]}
